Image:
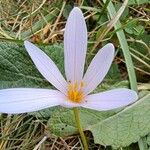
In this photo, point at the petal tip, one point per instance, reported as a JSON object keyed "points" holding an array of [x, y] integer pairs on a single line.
{"points": [[26, 42], [30, 46], [76, 11], [111, 47], [135, 95], [131, 93]]}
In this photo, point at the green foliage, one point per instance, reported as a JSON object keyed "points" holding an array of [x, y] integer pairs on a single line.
{"points": [[148, 140], [18, 70], [62, 122], [108, 128]]}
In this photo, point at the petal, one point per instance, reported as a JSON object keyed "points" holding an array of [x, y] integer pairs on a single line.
{"points": [[69, 104], [75, 45], [46, 67], [110, 99], [98, 68], [21, 100]]}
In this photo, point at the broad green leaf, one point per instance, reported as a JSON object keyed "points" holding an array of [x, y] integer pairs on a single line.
{"points": [[108, 128], [62, 121], [148, 139], [17, 68], [125, 127]]}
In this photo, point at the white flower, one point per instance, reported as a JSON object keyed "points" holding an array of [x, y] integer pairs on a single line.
{"points": [[75, 91]]}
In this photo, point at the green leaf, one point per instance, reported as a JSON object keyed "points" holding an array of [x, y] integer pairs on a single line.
{"points": [[17, 68], [148, 139], [62, 121], [125, 12], [114, 73], [108, 128], [125, 127]]}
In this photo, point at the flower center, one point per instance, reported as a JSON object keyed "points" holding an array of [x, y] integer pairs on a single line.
{"points": [[75, 92]]}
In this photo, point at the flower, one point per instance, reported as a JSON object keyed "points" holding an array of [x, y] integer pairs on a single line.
{"points": [[75, 90]]}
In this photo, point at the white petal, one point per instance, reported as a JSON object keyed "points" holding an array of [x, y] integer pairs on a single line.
{"points": [[110, 99], [21, 100], [69, 104], [75, 45], [46, 67], [98, 68]]}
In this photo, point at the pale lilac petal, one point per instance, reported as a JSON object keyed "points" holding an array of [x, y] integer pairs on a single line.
{"points": [[46, 67], [110, 99], [21, 100], [98, 68], [75, 45], [69, 104]]}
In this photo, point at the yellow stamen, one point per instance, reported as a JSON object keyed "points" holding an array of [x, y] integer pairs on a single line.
{"points": [[75, 92]]}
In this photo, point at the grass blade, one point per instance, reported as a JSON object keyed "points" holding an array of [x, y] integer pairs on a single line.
{"points": [[125, 49]]}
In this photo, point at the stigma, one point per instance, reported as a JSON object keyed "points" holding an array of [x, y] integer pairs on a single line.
{"points": [[75, 92]]}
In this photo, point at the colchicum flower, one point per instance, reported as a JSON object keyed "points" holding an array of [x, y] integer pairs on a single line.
{"points": [[75, 91]]}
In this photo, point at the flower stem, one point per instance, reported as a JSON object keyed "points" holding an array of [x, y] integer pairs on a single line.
{"points": [[78, 123]]}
